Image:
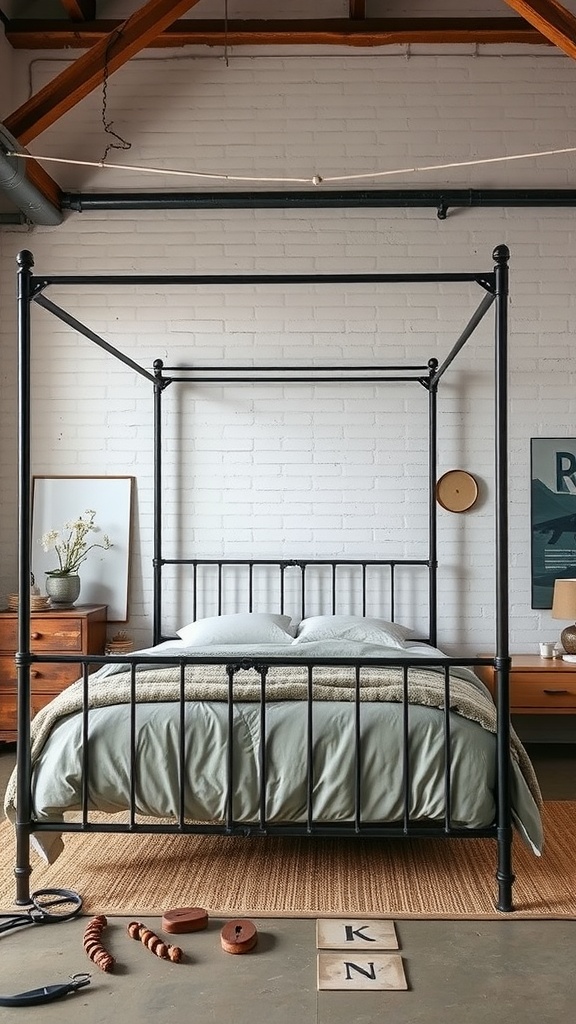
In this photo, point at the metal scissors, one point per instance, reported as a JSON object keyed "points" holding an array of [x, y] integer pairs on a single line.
{"points": [[47, 906]]}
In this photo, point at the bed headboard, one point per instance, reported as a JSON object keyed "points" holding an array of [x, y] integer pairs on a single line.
{"points": [[392, 589]]}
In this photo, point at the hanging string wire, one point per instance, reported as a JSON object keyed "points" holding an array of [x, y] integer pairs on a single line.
{"points": [[315, 179], [107, 125], [226, 32]]}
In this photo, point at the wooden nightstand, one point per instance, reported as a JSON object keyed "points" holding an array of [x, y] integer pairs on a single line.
{"points": [[79, 630], [538, 686]]}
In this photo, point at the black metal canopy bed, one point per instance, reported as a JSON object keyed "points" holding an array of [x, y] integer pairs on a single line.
{"points": [[293, 702]]}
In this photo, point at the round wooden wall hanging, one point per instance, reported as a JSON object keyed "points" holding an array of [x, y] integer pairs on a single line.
{"points": [[456, 490]]}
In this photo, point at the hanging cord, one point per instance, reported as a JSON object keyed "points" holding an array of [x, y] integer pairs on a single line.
{"points": [[316, 179], [121, 144], [226, 32]]}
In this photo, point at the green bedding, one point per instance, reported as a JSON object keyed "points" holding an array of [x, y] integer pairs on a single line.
{"points": [[57, 745]]}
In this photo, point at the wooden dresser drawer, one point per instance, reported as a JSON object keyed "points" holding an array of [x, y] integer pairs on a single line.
{"points": [[77, 631], [8, 673], [61, 635], [8, 633], [57, 634], [531, 690], [42, 676], [9, 710]]}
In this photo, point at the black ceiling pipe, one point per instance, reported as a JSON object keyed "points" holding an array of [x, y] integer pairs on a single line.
{"points": [[439, 199]]}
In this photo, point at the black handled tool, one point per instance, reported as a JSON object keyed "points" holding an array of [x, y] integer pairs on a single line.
{"points": [[47, 994]]}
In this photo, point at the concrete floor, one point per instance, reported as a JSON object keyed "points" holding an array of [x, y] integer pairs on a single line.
{"points": [[461, 971]]}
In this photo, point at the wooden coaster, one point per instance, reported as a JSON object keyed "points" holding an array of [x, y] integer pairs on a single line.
{"points": [[238, 936], [185, 919]]}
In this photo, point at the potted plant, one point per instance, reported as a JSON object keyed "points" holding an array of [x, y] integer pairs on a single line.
{"points": [[72, 546]]}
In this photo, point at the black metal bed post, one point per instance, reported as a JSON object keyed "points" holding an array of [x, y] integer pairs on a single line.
{"points": [[157, 544], [22, 867], [432, 507], [504, 874]]}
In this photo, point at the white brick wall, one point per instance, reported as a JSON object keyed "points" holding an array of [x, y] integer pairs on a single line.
{"points": [[325, 470]]}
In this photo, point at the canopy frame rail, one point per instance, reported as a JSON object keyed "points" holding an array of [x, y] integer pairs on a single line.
{"points": [[32, 287]]}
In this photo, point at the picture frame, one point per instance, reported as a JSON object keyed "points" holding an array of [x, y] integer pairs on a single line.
{"points": [[552, 515], [105, 573]]}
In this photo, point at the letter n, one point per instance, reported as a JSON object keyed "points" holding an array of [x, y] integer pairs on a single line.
{"points": [[370, 973]]}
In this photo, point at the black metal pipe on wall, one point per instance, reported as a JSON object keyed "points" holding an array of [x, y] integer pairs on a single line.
{"points": [[439, 199]]}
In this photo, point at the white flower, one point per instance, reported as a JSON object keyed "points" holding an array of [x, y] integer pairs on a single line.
{"points": [[50, 539], [72, 546]]}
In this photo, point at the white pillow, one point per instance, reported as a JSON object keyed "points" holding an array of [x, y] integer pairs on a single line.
{"points": [[351, 627], [242, 628]]}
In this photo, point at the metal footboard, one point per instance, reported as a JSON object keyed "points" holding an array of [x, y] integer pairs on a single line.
{"points": [[406, 825]]}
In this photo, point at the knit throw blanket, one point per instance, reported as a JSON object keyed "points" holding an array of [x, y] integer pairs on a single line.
{"points": [[283, 683]]}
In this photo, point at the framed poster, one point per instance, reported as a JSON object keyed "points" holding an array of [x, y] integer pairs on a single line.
{"points": [[57, 500], [552, 514]]}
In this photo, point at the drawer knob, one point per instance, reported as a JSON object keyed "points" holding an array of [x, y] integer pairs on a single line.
{"points": [[35, 636], [556, 692], [34, 673]]}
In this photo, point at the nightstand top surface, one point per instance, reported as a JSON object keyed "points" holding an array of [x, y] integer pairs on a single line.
{"points": [[77, 609], [535, 663]]}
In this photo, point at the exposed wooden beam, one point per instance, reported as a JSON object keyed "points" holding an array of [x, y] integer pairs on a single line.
{"points": [[37, 35], [80, 10], [551, 19], [49, 188], [87, 72]]}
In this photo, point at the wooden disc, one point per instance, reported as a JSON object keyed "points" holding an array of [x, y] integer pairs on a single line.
{"points": [[185, 919], [457, 490], [238, 936]]}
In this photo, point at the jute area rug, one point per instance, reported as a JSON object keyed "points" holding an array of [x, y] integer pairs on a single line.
{"points": [[305, 877]]}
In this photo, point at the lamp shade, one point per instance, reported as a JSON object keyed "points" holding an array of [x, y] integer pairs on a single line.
{"points": [[564, 600]]}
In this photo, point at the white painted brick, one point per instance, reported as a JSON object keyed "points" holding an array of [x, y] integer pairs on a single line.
{"points": [[299, 469]]}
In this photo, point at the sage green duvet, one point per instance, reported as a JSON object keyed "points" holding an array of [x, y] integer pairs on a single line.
{"points": [[57, 744]]}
